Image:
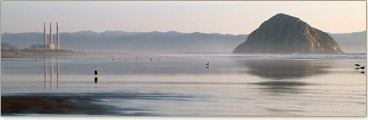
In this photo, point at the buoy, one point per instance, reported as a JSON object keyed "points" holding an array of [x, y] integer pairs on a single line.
{"points": [[150, 59], [96, 72], [96, 79]]}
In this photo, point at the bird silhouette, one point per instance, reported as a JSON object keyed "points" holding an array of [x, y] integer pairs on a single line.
{"points": [[357, 65], [208, 64]]}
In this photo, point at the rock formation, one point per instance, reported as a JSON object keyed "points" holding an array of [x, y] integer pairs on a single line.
{"points": [[287, 34]]}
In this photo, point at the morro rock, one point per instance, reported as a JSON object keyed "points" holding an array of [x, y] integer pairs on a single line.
{"points": [[287, 34]]}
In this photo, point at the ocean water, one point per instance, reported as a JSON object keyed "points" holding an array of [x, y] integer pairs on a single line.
{"points": [[183, 85]]}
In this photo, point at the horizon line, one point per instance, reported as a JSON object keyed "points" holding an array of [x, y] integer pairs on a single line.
{"points": [[161, 32]]}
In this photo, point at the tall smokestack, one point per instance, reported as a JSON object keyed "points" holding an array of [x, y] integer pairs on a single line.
{"points": [[44, 31], [57, 30], [51, 42]]}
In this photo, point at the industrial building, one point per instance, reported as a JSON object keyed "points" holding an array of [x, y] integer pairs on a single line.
{"points": [[47, 46]]}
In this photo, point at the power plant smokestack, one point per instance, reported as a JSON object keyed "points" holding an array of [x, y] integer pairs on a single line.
{"points": [[44, 31], [51, 42], [57, 30]]}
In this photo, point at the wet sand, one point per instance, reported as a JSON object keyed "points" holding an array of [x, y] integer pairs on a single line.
{"points": [[15, 105], [59, 105]]}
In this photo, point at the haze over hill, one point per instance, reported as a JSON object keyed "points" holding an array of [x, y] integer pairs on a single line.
{"points": [[287, 34], [120, 41], [355, 42], [6, 46]]}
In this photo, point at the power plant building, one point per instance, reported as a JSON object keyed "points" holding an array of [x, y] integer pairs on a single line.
{"points": [[47, 46]]}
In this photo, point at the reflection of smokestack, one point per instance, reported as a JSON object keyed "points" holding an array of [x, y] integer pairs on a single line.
{"points": [[51, 42], [51, 71], [58, 71], [44, 31], [45, 71], [57, 30]]}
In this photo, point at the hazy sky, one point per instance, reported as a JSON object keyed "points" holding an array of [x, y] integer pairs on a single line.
{"points": [[236, 17]]}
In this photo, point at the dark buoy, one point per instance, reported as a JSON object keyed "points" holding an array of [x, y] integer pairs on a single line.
{"points": [[96, 79], [150, 59], [96, 72], [36, 60]]}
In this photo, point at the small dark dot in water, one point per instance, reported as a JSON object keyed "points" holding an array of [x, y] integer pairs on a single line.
{"points": [[352, 91]]}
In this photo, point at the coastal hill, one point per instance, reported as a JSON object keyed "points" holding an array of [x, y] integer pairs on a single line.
{"points": [[287, 34], [160, 42], [355, 42], [6, 46], [133, 42]]}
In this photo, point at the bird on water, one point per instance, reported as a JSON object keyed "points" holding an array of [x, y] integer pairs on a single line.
{"points": [[96, 72], [208, 64]]}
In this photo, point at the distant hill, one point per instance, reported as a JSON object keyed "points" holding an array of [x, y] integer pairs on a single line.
{"points": [[355, 42], [120, 41], [160, 41], [287, 34], [6, 46]]}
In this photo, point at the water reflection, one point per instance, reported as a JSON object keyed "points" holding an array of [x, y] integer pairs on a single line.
{"points": [[58, 72], [96, 80], [285, 69], [45, 73], [51, 72], [292, 87], [281, 76]]}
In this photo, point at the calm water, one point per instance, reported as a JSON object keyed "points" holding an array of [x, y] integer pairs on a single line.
{"points": [[182, 85]]}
